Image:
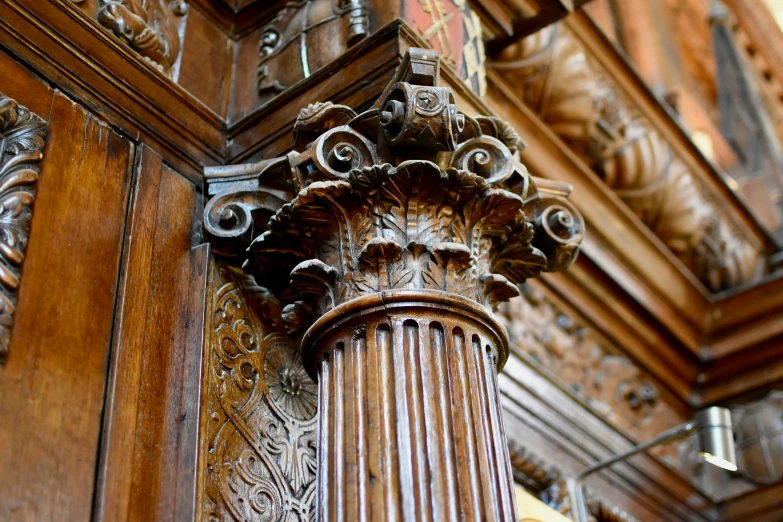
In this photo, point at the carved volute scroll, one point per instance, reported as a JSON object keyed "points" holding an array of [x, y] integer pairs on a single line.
{"points": [[21, 149], [397, 233]]}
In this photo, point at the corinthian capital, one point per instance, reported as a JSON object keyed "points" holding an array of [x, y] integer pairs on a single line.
{"points": [[393, 233], [412, 194]]}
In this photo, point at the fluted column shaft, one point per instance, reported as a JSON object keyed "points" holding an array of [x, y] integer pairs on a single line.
{"points": [[409, 421]]}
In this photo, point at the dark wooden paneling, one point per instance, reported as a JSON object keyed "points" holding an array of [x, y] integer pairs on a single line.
{"points": [[190, 399], [52, 388], [143, 419], [207, 60], [26, 89], [245, 95], [355, 80]]}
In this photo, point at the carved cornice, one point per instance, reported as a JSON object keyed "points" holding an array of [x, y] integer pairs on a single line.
{"points": [[23, 135], [556, 76], [412, 194]]}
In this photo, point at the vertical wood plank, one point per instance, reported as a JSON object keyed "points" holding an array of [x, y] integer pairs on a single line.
{"points": [[140, 456], [207, 64], [121, 414], [190, 398], [52, 388]]}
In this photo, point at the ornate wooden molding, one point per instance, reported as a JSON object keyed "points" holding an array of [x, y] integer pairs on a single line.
{"points": [[259, 410], [306, 36], [615, 387], [23, 134], [396, 233], [548, 484], [556, 76], [149, 27]]}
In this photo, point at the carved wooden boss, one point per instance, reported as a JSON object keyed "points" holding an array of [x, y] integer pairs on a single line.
{"points": [[395, 232]]}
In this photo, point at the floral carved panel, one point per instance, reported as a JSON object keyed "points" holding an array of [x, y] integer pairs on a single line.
{"points": [[258, 411], [23, 135]]}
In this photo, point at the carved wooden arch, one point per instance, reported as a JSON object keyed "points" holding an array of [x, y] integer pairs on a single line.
{"points": [[393, 236]]}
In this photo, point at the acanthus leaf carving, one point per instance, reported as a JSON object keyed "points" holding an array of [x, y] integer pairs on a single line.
{"points": [[23, 138], [411, 194], [399, 211]]}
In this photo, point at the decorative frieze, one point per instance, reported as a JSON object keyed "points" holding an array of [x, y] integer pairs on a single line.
{"points": [[304, 36], [21, 149], [609, 382]]}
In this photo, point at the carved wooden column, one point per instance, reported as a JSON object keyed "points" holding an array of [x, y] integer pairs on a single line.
{"points": [[409, 425], [395, 234]]}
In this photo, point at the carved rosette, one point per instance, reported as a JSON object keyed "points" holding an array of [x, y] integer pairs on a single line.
{"points": [[23, 134], [404, 227]]}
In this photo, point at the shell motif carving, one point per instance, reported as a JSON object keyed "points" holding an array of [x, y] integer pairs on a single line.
{"points": [[556, 75]]}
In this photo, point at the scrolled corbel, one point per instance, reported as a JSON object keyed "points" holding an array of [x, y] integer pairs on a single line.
{"points": [[244, 197]]}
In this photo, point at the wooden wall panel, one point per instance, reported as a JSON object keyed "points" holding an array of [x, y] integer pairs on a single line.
{"points": [[143, 416], [207, 62], [245, 95], [52, 387]]}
